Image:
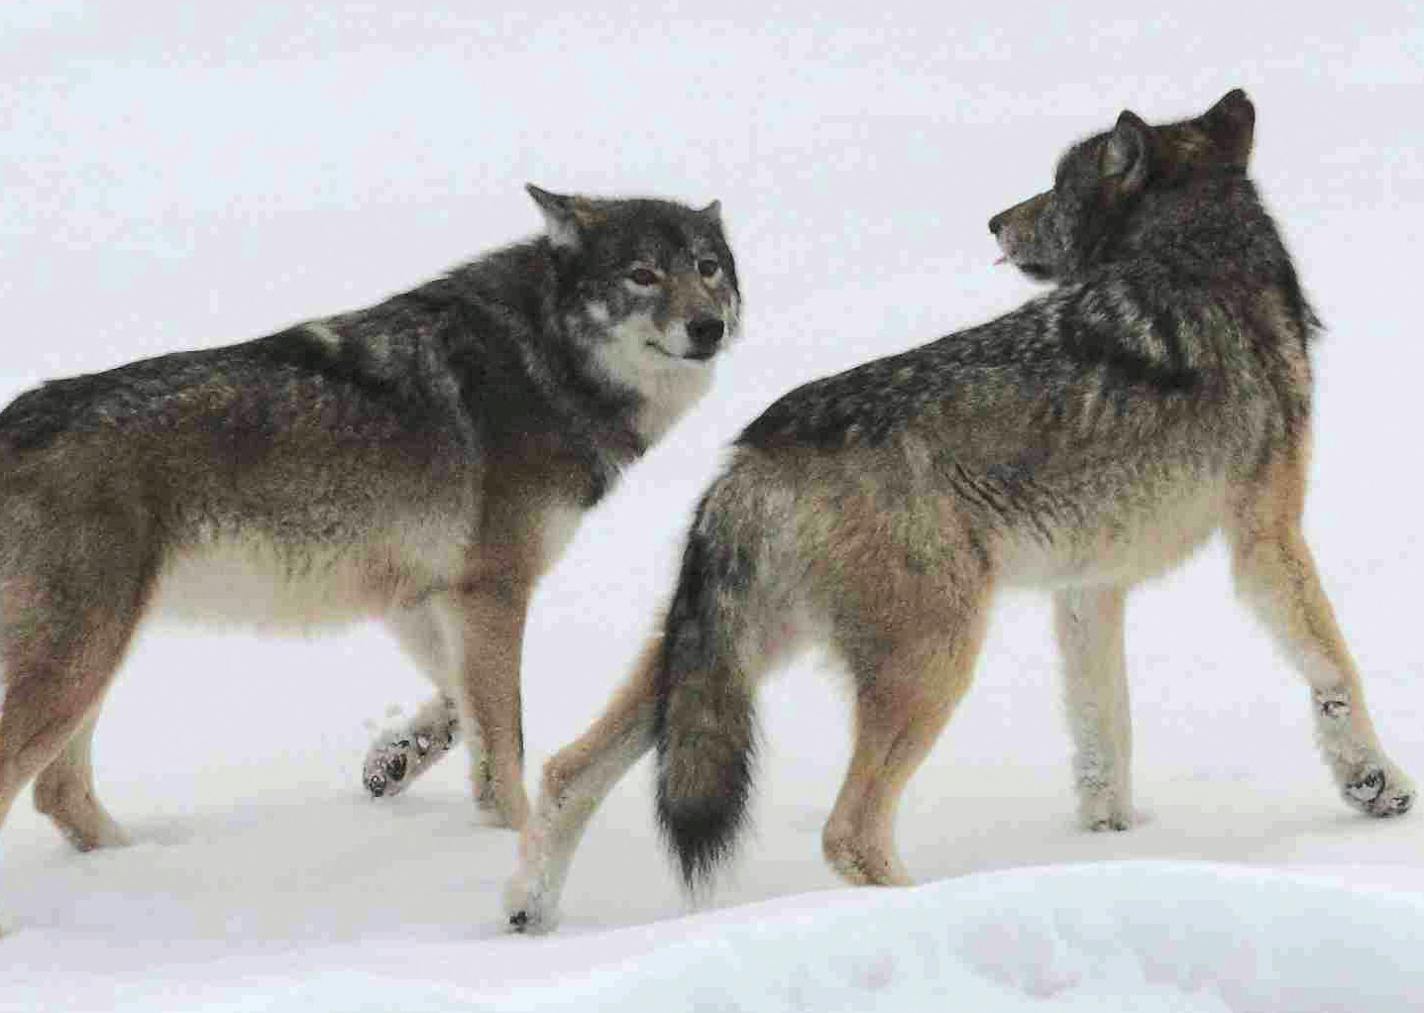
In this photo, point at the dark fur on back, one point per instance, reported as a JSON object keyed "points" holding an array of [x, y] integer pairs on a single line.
{"points": [[488, 364], [1138, 314]]}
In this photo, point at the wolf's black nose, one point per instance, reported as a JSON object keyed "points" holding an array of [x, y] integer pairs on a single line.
{"points": [[706, 334], [997, 222]]}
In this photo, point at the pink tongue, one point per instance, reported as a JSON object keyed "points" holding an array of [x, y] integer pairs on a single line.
{"points": [[1002, 260]]}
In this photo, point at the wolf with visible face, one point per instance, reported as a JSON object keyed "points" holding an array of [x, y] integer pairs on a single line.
{"points": [[422, 461], [1088, 441], [658, 295], [1030, 233]]}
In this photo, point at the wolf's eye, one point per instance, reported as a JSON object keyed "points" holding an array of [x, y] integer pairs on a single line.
{"points": [[642, 276], [707, 267]]}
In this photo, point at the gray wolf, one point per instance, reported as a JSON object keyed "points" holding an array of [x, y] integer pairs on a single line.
{"points": [[1088, 441], [422, 461]]}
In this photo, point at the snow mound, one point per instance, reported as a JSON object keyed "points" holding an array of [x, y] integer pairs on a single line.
{"points": [[1138, 936], [1131, 936]]}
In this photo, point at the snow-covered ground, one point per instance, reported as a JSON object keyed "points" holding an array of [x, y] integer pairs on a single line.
{"points": [[182, 175], [1130, 937]]}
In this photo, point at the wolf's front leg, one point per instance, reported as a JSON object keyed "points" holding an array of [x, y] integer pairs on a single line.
{"points": [[1088, 623], [486, 620]]}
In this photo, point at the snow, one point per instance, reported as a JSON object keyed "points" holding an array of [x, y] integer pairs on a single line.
{"points": [[177, 176], [1145, 937]]}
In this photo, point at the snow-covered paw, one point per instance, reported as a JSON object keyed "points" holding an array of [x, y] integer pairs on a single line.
{"points": [[101, 832], [386, 766], [401, 754], [526, 907], [393, 761], [860, 863], [1104, 812], [1111, 824], [1379, 790]]}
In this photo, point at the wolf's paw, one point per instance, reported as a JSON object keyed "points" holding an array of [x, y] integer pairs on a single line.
{"points": [[385, 768], [528, 920], [1114, 824], [1379, 790], [526, 907], [1104, 812], [391, 762], [861, 863], [99, 834]]}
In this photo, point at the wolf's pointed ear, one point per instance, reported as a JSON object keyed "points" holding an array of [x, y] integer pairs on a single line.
{"points": [[565, 217], [1231, 125], [712, 212], [1127, 154], [1233, 100]]}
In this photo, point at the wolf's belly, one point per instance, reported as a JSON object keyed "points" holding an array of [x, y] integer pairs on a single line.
{"points": [[252, 581], [1121, 543]]}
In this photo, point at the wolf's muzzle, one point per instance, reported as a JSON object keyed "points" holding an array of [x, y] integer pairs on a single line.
{"points": [[705, 334]]}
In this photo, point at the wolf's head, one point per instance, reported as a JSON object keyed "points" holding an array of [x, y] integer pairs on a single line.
{"points": [[649, 285], [1054, 234]]}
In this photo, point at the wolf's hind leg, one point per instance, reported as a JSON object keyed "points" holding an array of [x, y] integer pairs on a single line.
{"points": [[400, 754], [64, 792], [58, 662], [1276, 575], [906, 690], [1088, 623], [576, 779]]}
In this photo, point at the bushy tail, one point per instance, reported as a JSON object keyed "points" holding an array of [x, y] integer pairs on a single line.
{"points": [[705, 722]]}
